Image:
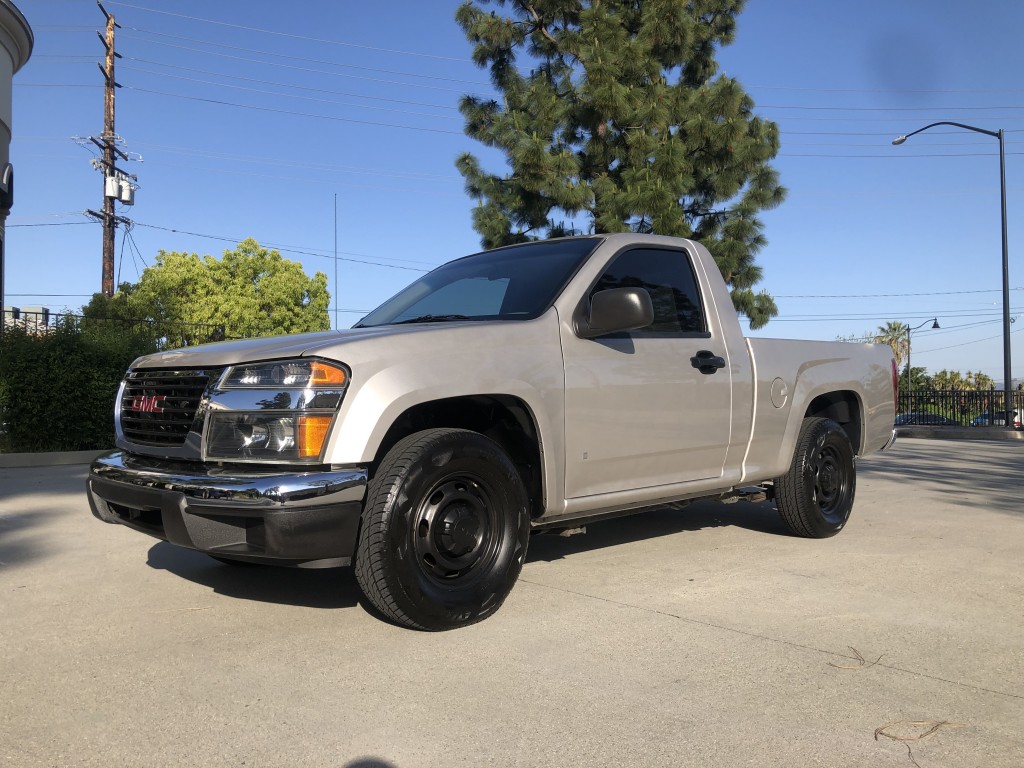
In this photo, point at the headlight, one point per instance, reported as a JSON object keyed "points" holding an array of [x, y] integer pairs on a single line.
{"points": [[274, 411], [287, 374]]}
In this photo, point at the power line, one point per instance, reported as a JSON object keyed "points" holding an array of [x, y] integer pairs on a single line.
{"points": [[897, 119], [264, 160], [54, 224], [878, 133], [279, 247], [293, 113], [290, 35], [291, 95], [296, 164], [286, 85], [885, 109], [964, 344], [310, 69], [57, 85], [290, 57], [286, 249], [881, 90], [897, 155], [944, 329], [860, 317], [884, 295]]}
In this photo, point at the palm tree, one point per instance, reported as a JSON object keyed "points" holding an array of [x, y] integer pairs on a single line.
{"points": [[894, 334], [979, 381], [948, 380]]}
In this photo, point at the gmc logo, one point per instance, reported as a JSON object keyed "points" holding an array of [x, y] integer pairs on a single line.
{"points": [[148, 403]]}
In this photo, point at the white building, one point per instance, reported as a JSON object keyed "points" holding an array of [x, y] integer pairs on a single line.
{"points": [[16, 42]]}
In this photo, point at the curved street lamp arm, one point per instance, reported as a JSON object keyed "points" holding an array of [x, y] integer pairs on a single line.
{"points": [[901, 139], [934, 321]]}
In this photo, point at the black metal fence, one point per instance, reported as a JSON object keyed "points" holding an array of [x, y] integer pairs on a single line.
{"points": [[963, 407], [166, 334]]}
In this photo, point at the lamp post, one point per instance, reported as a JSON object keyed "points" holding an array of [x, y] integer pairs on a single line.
{"points": [[910, 378], [1007, 378]]}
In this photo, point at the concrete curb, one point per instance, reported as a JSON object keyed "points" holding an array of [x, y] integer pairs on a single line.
{"points": [[961, 433], [52, 459]]}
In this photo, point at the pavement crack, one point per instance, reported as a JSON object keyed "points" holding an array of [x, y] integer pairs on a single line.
{"points": [[759, 636]]}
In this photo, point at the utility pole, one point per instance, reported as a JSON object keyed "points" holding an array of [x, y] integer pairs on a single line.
{"points": [[107, 138], [117, 184]]}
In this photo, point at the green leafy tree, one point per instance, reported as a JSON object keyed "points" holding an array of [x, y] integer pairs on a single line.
{"points": [[251, 291], [617, 120], [919, 378]]}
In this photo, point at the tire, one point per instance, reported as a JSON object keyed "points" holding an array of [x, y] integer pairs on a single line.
{"points": [[444, 530], [815, 496]]}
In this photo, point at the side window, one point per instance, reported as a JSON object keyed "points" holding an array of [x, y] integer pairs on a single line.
{"points": [[668, 277]]}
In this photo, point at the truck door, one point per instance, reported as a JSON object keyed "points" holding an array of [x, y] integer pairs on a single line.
{"points": [[638, 413]]}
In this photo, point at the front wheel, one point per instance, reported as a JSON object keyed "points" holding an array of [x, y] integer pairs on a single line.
{"points": [[815, 496], [444, 530]]}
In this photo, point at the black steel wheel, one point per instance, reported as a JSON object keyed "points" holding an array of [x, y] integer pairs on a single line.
{"points": [[815, 497], [444, 530]]}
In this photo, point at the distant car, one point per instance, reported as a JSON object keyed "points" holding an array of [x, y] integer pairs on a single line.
{"points": [[925, 419], [996, 419]]}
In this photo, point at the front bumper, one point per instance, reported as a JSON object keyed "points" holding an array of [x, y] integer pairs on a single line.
{"points": [[289, 518]]}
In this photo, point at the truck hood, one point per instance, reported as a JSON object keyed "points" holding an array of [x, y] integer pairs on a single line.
{"points": [[301, 345]]}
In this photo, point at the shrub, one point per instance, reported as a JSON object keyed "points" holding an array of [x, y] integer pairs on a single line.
{"points": [[58, 385]]}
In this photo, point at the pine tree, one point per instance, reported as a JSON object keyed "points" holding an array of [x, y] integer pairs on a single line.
{"points": [[614, 119]]}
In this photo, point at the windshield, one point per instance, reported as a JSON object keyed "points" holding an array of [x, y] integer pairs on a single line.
{"points": [[514, 283]]}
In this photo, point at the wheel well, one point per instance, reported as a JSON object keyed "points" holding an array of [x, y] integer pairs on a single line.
{"points": [[843, 408], [504, 419]]}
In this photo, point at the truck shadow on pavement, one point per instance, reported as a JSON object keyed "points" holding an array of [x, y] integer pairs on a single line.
{"points": [[326, 588], [332, 588], [658, 522]]}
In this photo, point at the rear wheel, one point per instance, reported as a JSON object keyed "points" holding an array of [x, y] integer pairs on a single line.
{"points": [[815, 496], [444, 530]]}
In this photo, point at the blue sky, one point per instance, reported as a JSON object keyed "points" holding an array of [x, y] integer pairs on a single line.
{"points": [[250, 120]]}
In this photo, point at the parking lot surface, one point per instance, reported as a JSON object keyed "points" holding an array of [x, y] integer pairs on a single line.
{"points": [[695, 637]]}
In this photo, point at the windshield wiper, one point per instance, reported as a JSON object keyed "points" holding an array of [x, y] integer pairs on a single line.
{"points": [[432, 319]]}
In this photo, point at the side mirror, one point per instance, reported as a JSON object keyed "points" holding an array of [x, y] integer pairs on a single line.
{"points": [[616, 310]]}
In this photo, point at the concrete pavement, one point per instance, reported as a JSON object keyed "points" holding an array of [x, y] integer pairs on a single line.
{"points": [[701, 637]]}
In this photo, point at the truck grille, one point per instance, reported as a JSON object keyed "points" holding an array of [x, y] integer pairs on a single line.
{"points": [[159, 407]]}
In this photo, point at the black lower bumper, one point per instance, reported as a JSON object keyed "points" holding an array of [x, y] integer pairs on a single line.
{"points": [[300, 518]]}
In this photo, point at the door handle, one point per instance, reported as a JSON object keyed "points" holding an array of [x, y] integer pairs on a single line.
{"points": [[707, 362]]}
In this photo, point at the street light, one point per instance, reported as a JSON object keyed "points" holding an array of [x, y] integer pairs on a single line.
{"points": [[910, 378], [1007, 379]]}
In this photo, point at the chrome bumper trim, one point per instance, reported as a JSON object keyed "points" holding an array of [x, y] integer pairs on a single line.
{"points": [[890, 441], [194, 482]]}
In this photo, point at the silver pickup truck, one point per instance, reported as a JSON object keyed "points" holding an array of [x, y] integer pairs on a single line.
{"points": [[521, 390]]}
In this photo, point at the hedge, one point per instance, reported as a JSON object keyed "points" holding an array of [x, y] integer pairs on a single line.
{"points": [[58, 384]]}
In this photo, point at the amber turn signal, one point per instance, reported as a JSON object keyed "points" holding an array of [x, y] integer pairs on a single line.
{"points": [[312, 432], [323, 374]]}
